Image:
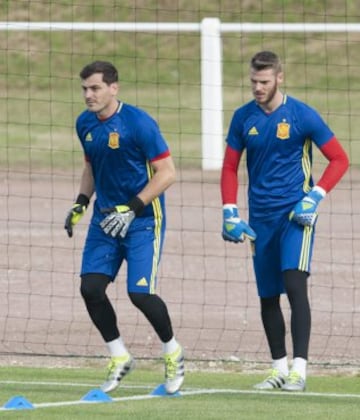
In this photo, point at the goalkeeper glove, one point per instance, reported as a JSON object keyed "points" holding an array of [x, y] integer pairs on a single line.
{"points": [[304, 212], [117, 223], [235, 229], [76, 213]]}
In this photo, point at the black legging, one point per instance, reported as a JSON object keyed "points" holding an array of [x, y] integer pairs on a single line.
{"points": [[93, 290], [296, 288], [273, 320]]}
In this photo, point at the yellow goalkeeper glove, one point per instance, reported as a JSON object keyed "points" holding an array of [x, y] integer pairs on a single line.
{"points": [[76, 213]]}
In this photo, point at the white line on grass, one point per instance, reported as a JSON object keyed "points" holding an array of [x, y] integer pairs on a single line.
{"points": [[71, 384], [278, 393], [190, 392]]}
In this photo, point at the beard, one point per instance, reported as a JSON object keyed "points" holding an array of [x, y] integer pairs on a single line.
{"points": [[272, 94], [269, 96]]}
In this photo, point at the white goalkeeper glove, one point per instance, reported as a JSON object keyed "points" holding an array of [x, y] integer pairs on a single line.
{"points": [[117, 223], [235, 229], [304, 213]]}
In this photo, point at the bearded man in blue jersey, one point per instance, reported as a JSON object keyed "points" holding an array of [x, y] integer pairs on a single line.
{"points": [[278, 132], [128, 166]]}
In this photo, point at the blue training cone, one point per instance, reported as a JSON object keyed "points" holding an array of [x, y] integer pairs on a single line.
{"points": [[96, 395], [160, 391], [18, 403]]}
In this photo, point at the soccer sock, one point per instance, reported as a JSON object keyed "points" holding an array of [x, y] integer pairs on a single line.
{"points": [[281, 365], [299, 366], [117, 347], [171, 346]]}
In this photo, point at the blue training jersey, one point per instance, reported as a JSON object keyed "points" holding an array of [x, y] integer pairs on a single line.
{"points": [[278, 152], [119, 150]]}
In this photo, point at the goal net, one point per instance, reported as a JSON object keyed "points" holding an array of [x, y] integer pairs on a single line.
{"points": [[208, 284]]}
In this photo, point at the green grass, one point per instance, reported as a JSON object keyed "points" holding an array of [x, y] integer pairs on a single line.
{"points": [[229, 396]]}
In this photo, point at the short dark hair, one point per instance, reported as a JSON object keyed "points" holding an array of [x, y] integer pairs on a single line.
{"points": [[108, 70], [266, 60]]}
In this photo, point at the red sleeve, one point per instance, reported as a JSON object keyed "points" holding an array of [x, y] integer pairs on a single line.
{"points": [[338, 164], [229, 176], [162, 156]]}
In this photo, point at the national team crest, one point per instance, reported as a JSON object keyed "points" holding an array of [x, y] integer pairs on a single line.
{"points": [[283, 131], [114, 140]]}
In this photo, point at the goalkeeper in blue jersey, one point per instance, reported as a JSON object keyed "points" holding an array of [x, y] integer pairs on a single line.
{"points": [[128, 166], [278, 133]]}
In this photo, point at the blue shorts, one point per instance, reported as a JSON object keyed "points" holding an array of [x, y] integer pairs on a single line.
{"points": [[280, 245], [141, 249]]}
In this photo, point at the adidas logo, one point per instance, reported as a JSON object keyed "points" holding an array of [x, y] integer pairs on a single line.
{"points": [[253, 131], [229, 227], [142, 282], [307, 206]]}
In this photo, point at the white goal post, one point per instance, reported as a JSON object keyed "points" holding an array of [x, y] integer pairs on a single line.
{"points": [[212, 133]]}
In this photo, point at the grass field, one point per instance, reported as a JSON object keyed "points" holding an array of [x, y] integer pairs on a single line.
{"points": [[58, 393]]}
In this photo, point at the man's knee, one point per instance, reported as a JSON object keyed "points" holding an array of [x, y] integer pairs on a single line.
{"points": [[93, 287], [140, 299]]}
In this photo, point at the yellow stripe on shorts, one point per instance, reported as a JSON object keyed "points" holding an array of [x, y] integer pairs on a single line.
{"points": [[158, 219], [305, 249]]}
